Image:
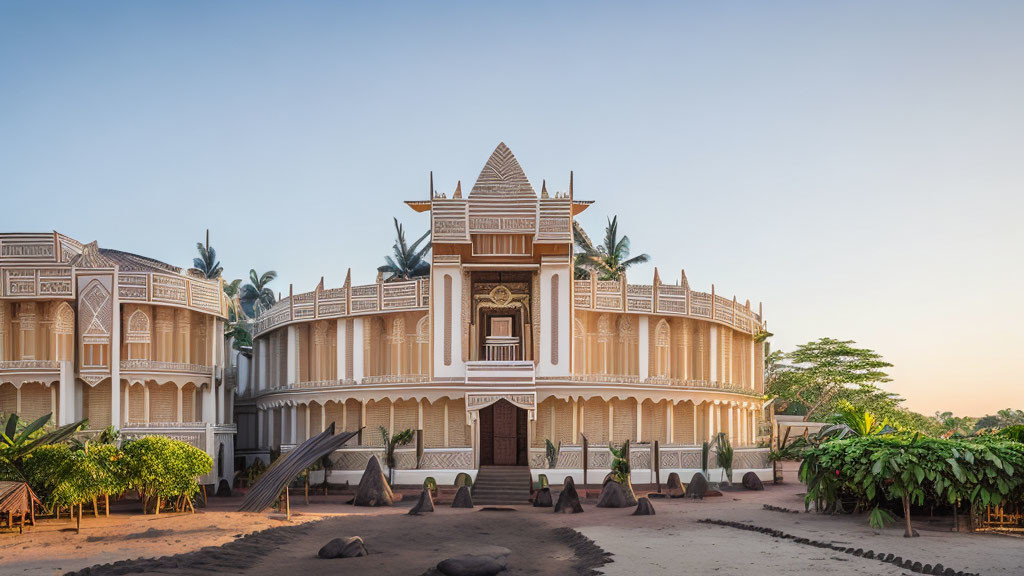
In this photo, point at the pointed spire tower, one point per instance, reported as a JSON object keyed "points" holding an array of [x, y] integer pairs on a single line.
{"points": [[502, 176]]}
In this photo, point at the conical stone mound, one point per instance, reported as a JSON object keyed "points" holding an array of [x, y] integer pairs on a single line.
{"points": [[373, 487], [425, 504]]}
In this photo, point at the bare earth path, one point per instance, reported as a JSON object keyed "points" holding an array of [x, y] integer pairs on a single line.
{"points": [[672, 542]]}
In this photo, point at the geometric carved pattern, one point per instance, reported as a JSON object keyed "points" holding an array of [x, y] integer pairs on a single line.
{"points": [[95, 314], [502, 176]]}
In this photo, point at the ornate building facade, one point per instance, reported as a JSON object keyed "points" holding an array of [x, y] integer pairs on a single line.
{"points": [[117, 338], [501, 350]]}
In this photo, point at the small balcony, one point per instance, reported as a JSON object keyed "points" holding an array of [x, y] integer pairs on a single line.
{"points": [[501, 349]]}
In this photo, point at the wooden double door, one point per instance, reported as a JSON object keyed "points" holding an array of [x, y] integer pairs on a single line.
{"points": [[503, 435]]}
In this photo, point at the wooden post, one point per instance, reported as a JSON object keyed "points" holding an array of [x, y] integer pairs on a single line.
{"points": [[78, 525], [586, 461], [657, 465], [307, 488], [288, 502], [419, 447]]}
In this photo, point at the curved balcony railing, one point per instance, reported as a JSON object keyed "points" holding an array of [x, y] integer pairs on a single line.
{"points": [[139, 365], [30, 365], [396, 379], [663, 381]]}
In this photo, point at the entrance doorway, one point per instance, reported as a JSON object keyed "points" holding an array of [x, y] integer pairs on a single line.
{"points": [[503, 435]]}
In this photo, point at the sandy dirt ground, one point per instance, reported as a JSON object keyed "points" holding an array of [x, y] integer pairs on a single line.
{"points": [[537, 541]]}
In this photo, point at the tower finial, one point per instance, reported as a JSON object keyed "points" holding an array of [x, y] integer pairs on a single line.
{"points": [[431, 195], [458, 190], [543, 188], [570, 184]]}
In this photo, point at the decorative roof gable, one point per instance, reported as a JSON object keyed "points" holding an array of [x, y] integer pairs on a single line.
{"points": [[91, 257], [502, 176]]}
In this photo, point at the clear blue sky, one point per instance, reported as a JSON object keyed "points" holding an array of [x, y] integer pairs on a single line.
{"points": [[857, 166]]}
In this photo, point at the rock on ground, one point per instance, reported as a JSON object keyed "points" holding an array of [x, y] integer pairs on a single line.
{"points": [[675, 486], [542, 498], [343, 548], [568, 500], [752, 482], [698, 487], [424, 504], [644, 507], [472, 565], [373, 487], [223, 489], [613, 495], [463, 498]]}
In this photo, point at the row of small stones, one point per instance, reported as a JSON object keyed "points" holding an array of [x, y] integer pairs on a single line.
{"points": [[780, 509], [937, 569]]}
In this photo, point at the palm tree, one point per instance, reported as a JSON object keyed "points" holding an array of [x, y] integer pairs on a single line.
{"points": [[611, 259], [207, 261], [256, 295], [585, 247], [238, 322], [391, 442], [409, 261]]}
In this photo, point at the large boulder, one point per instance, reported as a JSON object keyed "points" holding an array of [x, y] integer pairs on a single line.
{"points": [[752, 482], [644, 507], [675, 486], [424, 504], [463, 498], [613, 495], [542, 498], [568, 500], [373, 487], [698, 487], [343, 548], [472, 565]]}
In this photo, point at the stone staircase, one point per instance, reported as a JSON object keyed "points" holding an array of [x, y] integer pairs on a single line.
{"points": [[502, 485]]}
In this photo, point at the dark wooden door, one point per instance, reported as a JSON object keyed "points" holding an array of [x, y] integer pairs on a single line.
{"points": [[505, 431]]}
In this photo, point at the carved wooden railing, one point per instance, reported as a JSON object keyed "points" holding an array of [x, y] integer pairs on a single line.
{"points": [[140, 365], [30, 365], [501, 351]]}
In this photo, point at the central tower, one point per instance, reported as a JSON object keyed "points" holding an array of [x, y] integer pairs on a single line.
{"points": [[501, 286]]}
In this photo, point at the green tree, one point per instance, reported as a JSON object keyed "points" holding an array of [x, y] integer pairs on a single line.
{"points": [[391, 442], [207, 262], [611, 259], [820, 373], [256, 295], [161, 468], [408, 261], [950, 425]]}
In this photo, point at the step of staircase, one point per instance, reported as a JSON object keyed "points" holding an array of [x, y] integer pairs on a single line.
{"points": [[496, 485]]}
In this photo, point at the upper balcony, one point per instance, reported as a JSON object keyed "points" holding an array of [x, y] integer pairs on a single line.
{"points": [[143, 366]]}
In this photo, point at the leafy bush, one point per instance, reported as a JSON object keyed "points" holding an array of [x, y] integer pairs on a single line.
{"points": [[551, 452], [874, 471], [725, 454], [62, 475], [620, 462], [160, 467]]}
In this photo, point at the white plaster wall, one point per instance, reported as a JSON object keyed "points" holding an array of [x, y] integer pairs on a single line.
{"points": [[564, 319], [457, 369]]}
